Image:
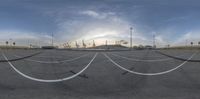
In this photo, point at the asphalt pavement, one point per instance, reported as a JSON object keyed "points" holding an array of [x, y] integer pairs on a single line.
{"points": [[102, 79]]}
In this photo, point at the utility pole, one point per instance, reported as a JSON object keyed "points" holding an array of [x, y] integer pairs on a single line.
{"points": [[131, 38], [94, 45], [186, 42], [154, 41], [106, 44], [10, 41], [52, 39], [84, 45], [77, 46]]}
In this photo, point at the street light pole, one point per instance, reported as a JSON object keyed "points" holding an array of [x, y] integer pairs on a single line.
{"points": [[10, 41], [52, 39], [154, 41], [131, 38]]}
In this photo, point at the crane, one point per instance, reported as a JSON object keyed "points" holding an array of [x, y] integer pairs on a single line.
{"points": [[94, 45], [84, 45], [77, 46]]}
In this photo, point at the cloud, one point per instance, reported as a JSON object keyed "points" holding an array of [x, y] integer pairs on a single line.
{"points": [[87, 27], [185, 39], [108, 26], [25, 38], [98, 15], [90, 13], [73, 21]]}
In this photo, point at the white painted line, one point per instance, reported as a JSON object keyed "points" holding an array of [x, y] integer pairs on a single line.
{"points": [[54, 62], [148, 74], [50, 81], [133, 59], [136, 55]]}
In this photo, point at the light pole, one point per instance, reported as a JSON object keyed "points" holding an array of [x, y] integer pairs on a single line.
{"points": [[52, 39], [94, 45], [6, 43], [131, 38], [10, 41], [186, 42], [154, 41], [191, 43]]}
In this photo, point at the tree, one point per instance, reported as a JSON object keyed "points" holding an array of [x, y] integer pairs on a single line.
{"points": [[199, 43], [6, 42], [191, 43], [14, 43]]}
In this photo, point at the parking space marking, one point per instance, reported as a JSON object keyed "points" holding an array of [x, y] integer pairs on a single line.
{"points": [[49, 81], [148, 74], [54, 62]]}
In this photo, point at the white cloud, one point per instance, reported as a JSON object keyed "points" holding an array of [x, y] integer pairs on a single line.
{"points": [[185, 39], [90, 13], [24, 38], [111, 28], [98, 15]]}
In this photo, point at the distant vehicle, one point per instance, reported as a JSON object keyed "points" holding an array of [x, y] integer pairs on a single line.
{"points": [[49, 47]]}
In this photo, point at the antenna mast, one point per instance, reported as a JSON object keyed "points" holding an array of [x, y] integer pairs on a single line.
{"points": [[94, 45], [52, 39], [154, 41], [77, 46], [84, 45], [131, 38]]}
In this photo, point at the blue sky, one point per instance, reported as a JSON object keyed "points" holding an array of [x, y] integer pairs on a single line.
{"points": [[173, 21]]}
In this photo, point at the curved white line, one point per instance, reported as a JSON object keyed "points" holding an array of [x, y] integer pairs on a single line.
{"points": [[134, 55], [54, 62], [50, 81], [133, 59], [47, 57], [148, 74]]}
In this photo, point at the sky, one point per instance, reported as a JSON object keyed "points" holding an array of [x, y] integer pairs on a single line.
{"points": [[174, 22]]}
